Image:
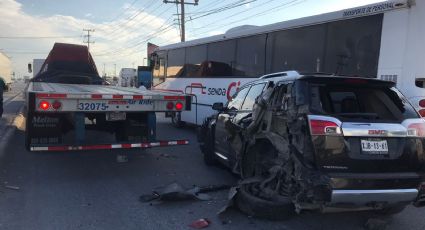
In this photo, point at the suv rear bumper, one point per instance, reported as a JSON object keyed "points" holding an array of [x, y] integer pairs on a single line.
{"points": [[369, 197]]}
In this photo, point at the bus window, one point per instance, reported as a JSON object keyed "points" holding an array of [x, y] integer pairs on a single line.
{"points": [[159, 68], [221, 59], [250, 56], [195, 56], [300, 49], [176, 59], [353, 46]]}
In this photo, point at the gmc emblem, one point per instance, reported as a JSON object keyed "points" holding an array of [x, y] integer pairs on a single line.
{"points": [[376, 132]]}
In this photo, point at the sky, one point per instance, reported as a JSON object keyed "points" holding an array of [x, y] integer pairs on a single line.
{"points": [[122, 28]]}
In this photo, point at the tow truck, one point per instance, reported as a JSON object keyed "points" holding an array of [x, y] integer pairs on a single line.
{"points": [[68, 97]]}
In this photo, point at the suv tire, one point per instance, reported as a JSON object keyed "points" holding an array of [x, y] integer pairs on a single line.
{"points": [[209, 156], [257, 207]]}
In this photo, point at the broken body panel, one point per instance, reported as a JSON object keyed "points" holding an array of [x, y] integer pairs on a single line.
{"points": [[326, 142]]}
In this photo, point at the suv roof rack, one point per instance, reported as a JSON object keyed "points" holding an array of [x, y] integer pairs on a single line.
{"points": [[291, 73]]}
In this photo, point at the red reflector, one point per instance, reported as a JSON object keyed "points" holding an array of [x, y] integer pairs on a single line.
{"points": [[422, 103], [44, 105], [422, 112], [170, 105], [51, 95], [117, 96], [179, 106], [174, 97], [56, 105], [355, 81], [319, 127], [96, 96]]}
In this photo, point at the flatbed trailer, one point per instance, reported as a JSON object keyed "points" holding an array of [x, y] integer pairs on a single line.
{"points": [[54, 109]]}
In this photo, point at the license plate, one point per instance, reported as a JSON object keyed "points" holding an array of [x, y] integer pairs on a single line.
{"points": [[115, 116], [374, 147]]}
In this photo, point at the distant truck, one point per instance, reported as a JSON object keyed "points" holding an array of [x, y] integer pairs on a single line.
{"points": [[68, 97], [127, 77], [144, 76], [36, 66], [6, 70]]}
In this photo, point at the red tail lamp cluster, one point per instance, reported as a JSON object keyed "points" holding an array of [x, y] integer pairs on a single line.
{"points": [[46, 105], [177, 106], [422, 110]]}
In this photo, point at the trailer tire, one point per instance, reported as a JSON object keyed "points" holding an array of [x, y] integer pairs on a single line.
{"points": [[258, 207]]}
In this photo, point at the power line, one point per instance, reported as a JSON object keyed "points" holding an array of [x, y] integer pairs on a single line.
{"points": [[37, 37], [143, 37], [182, 18], [267, 11]]}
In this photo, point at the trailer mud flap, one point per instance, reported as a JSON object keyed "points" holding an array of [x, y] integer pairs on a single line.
{"points": [[44, 129]]}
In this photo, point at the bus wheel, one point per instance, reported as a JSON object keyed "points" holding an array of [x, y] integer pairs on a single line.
{"points": [[176, 120]]}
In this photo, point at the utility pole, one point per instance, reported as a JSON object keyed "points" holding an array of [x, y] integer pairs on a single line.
{"points": [[88, 37], [182, 15], [115, 70]]}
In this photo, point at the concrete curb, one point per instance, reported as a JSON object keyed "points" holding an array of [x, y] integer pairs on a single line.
{"points": [[10, 129]]}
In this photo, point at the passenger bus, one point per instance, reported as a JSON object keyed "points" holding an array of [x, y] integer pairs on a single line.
{"points": [[384, 40]]}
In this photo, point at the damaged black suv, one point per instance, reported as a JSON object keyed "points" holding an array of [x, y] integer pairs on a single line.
{"points": [[319, 142]]}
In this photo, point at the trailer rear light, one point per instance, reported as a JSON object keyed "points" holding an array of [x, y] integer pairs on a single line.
{"points": [[179, 106], [56, 105], [170, 105], [322, 127], [422, 112], [422, 103], [44, 105]]}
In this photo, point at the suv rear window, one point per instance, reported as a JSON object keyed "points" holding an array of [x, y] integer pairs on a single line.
{"points": [[353, 103]]}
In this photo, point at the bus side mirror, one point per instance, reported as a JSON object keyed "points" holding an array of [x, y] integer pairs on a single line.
{"points": [[29, 68], [218, 106]]}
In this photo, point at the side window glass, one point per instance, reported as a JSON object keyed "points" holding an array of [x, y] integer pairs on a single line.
{"points": [[253, 93], [237, 100]]}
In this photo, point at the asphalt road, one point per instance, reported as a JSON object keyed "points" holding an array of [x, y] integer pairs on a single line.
{"points": [[91, 190]]}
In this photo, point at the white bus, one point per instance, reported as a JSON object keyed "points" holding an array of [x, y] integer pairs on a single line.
{"points": [[384, 40]]}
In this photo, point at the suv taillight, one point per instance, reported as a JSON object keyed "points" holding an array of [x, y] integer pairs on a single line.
{"points": [[324, 126], [415, 127]]}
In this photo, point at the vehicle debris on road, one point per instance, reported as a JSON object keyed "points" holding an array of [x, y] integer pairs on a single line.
{"points": [[176, 192], [12, 187], [201, 223]]}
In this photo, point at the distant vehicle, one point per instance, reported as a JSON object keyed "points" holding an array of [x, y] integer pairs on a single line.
{"points": [[383, 40], [144, 76], [27, 79], [127, 77], [36, 66], [68, 91], [349, 142], [6, 70]]}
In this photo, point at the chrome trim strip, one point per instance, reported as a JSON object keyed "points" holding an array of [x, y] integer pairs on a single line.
{"points": [[362, 197], [355, 129], [221, 156]]}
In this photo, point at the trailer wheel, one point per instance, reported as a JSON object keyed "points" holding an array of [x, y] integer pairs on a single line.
{"points": [[177, 121]]}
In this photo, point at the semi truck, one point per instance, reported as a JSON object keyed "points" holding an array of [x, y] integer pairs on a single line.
{"points": [[68, 98], [6, 70]]}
